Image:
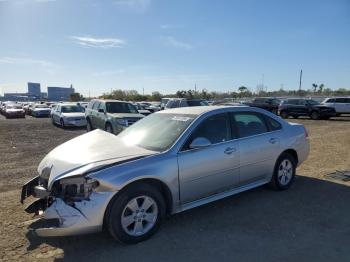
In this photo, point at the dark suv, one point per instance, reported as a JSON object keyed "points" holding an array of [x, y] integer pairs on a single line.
{"points": [[267, 103], [296, 107]]}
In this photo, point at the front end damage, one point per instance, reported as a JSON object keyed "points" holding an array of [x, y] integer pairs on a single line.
{"points": [[72, 206]]}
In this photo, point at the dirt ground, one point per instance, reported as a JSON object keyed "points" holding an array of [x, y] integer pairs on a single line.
{"points": [[308, 222]]}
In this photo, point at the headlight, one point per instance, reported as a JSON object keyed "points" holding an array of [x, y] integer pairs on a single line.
{"points": [[76, 188], [122, 121]]}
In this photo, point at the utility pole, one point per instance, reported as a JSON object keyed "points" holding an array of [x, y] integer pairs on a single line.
{"points": [[301, 75]]}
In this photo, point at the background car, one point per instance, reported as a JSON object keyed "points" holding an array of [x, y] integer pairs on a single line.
{"points": [[267, 103], [112, 116], [68, 115], [141, 108], [296, 107], [184, 102], [14, 111], [40, 110], [340, 104]]}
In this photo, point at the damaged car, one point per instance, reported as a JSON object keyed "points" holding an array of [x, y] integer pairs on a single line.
{"points": [[168, 162]]}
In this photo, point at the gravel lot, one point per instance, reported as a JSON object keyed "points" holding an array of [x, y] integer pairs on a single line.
{"points": [[309, 222]]}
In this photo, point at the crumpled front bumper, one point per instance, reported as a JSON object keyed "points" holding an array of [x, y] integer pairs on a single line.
{"points": [[81, 217], [85, 217]]}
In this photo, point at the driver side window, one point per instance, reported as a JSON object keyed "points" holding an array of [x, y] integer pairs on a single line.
{"points": [[214, 128]]}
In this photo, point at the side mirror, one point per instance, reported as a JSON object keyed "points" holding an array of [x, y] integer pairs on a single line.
{"points": [[100, 110], [200, 142]]}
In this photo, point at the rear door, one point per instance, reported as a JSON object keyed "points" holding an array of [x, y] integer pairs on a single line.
{"points": [[342, 105], [258, 143], [213, 169]]}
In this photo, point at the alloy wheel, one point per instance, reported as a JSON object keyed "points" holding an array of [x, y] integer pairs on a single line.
{"points": [[285, 172]]}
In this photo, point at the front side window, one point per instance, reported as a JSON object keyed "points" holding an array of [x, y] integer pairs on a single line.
{"points": [[341, 100], [197, 103], [120, 107], [214, 128], [249, 124]]}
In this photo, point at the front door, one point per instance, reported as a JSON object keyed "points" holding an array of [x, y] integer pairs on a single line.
{"points": [[213, 169]]}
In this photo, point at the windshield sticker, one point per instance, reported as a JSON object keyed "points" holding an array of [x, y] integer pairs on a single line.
{"points": [[181, 118]]}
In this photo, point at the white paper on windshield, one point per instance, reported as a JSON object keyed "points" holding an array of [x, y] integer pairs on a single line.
{"points": [[181, 118]]}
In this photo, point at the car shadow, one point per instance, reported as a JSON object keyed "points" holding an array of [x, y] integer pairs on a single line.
{"points": [[308, 222]]}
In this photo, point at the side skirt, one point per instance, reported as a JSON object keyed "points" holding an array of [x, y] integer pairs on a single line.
{"points": [[218, 196]]}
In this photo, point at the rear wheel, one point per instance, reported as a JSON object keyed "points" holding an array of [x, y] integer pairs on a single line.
{"points": [[62, 123], [295, 117], [89, 126], [284, 114], [274, 111], [284, 172], [109, 128], [315, 115], [136, 213]]}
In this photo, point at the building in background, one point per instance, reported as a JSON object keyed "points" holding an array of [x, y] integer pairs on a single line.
{"points": [[34, 89], [59, 93]]}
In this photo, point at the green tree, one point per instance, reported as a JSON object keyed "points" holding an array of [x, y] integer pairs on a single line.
{"points": [[75, 97]]}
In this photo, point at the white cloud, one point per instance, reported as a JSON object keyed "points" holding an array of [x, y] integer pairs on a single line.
{"points": [[99, 42], [46, 65], [170, 40], [168, 26]]}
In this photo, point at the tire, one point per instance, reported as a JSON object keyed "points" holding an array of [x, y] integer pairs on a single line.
{"points": [[315, 115], [284, 114], [62, 123], [284, 172], [109, 128], [274, 111], [89, 126], [120, 207]]}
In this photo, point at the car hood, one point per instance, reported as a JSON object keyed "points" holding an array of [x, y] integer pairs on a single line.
{"points": [[87, 152], [76, 114], [14, 110], [42, 109], [125, 115]]}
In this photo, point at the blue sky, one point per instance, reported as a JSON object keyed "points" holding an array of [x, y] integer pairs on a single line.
{"points": [[163, 45]]}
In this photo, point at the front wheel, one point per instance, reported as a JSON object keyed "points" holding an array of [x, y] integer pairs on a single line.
{"points": [[136, 214], [62, 123], [315, 115], [109, 128], [284, 114], [284, 172]]}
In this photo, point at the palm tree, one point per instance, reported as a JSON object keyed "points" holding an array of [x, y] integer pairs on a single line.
{"points": [[320, 88], [315, 87]]}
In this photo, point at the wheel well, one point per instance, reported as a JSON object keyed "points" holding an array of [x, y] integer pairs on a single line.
{"points": [[293, 153], [162, 187]]}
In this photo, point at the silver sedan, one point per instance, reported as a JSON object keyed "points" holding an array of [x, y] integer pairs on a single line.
{"points": [[68, 115], [166, 163]]}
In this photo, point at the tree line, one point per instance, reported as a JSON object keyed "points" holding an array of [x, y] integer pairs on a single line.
{"points": [[243, 92]]}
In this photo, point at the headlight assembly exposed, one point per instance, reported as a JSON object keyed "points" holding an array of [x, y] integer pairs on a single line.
{"points": [[75, 188]]}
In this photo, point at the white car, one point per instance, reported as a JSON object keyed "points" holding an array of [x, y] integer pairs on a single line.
{"points": [[340, 104], [14, 111], [68, 115], [40, 110]]}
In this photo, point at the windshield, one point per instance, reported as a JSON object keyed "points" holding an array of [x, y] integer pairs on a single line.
{"points": [[14, 107], [72, 109], [120, 107], [157, 132], [197, 103]]}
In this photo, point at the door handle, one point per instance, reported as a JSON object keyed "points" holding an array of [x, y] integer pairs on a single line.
{"points": [[229, 150], [273, 140]]}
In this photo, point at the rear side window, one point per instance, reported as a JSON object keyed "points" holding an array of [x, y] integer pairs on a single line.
{"points": [[292, 102], [273, 124], [340, 100], [249, 124]]}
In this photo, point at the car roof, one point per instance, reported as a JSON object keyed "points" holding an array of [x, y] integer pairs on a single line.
{"points": [[110, 100], [198, 110]]}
